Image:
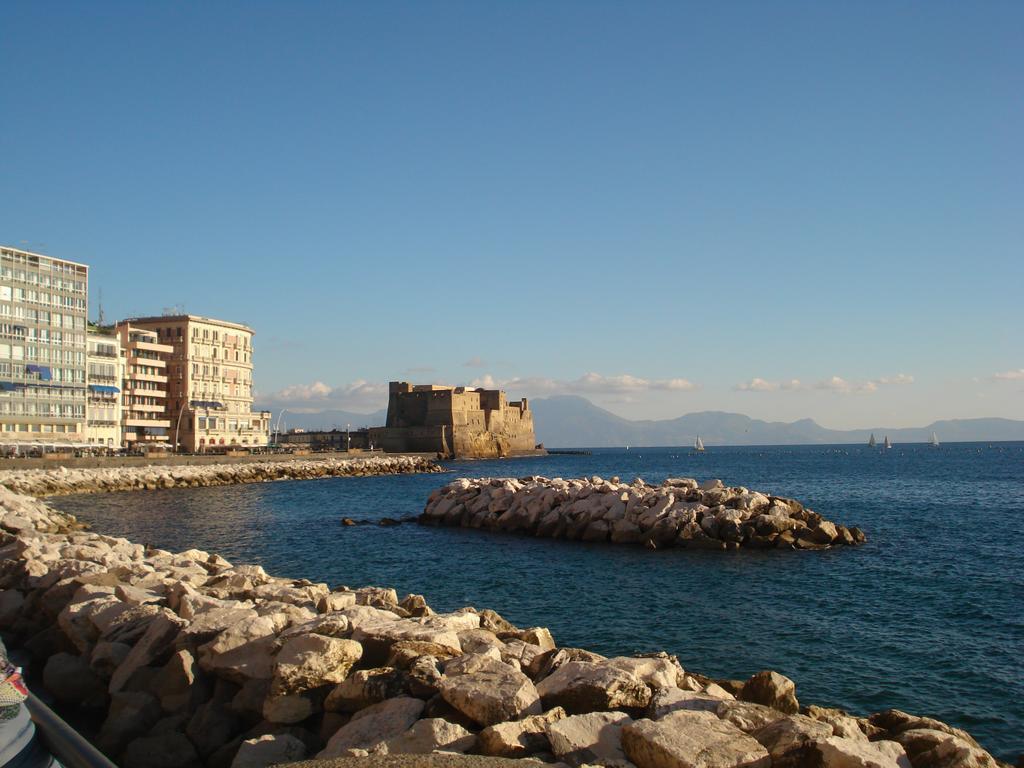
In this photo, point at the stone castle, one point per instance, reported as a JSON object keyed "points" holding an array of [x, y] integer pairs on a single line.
{"points": [[454, 421]]}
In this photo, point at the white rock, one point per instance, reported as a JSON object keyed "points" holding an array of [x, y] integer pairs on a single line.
{"points": [[691, 740], [592, 738]]}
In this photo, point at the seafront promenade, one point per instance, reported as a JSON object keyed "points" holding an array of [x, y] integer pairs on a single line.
{"points": [[186, 659]]}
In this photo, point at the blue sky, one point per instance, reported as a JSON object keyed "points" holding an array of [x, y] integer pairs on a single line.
{"points": [[663, 207]]}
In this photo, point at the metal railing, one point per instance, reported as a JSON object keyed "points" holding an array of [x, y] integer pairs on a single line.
{"points": [[64, 742]]}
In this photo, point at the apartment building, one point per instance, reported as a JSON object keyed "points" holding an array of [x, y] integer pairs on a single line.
{"points": [[105, 362], [43, 310], [210, 372], [145, 422]]}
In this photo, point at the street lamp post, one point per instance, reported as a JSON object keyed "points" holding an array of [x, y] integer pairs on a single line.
{"points": [[177, 427], [348, 438], [277, 426]]}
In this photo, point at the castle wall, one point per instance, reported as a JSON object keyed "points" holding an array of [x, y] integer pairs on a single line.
{"points": [[469, 422]]}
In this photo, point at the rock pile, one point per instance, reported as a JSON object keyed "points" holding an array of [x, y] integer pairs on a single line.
{"points": [[61, 480], [189, 660], [678, 513]]}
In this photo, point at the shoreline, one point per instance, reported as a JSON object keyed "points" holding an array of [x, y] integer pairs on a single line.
{"points": [[159, 640], [61, 481]]}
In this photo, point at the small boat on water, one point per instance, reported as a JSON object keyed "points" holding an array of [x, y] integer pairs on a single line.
{"points": [[934, 442], [871, 441], [698, 445], [887, 444]]}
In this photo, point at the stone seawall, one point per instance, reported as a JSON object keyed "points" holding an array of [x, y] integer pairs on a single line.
{"points": [[63, 481], [678, 513], [188, 660]]}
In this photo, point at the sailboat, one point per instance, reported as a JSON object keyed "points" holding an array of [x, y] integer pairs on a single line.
{"points": [[887, 444], [934, 442], [698, 445], [871, 441]]}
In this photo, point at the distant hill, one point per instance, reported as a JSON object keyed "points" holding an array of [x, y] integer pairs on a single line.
{"points": [[569, 421]]}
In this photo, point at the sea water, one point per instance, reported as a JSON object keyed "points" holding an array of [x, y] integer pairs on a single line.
{"points": [[927, 616]]}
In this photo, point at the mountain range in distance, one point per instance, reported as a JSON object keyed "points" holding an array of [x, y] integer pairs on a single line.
{"points": [[570, 421]]}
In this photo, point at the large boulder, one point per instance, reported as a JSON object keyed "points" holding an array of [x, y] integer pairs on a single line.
{"points": [[595, 737], [490, 692], [213, 725], [131, 714], [837, 752], [378, 637], [290, 708], [374, 725], [788, 740], [269, 749], [772, 690], [519, 738], [928, 748], [244, 650], [161, 750], [581, 686], [746, 716], [180, 685], [71, 680], [657, 670], [691, 740], [310, 661], [365, 687], [668, 700], [160, 635], [432, 734]]}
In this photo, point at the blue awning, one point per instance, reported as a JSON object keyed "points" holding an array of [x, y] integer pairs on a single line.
{"points": [[42, 370], [206, 404], [104, 388]]}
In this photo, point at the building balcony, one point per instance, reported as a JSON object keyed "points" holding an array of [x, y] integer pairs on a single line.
{"points": [[135, 420], [149, 346], [146, 407], [152, 377], [132, 388], [152, 362]]}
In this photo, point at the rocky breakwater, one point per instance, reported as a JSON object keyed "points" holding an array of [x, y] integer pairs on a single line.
{"points": [[187, 660], [61, 480], [678, 513]]}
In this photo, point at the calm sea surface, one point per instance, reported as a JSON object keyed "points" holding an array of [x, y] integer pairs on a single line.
{"points": [[928, 616]]}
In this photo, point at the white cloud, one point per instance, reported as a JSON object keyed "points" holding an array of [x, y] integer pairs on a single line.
{"points": [[832, 384], [899, 378], [358, 395], [761, 385], [844, 387], [475, 362], [1017, 375], [589, 383]]}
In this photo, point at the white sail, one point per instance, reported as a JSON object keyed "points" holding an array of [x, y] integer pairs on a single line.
{"points": [[871, 441], [698, 444], [887, 443], [934, 441]]}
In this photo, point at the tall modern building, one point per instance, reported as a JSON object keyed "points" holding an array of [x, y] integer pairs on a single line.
{"points": [[210, 368], [145, 423], [43, 310], [105, 359]]}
